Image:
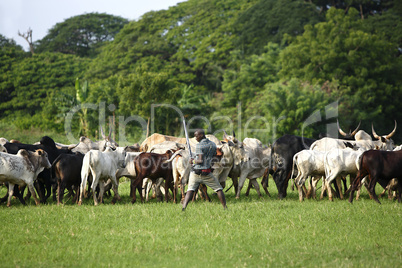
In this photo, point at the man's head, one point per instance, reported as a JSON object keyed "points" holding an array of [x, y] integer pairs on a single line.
{"points": [[199, 134]]}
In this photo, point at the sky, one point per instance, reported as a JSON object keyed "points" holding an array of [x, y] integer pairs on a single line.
{"points": [[42, 15]]}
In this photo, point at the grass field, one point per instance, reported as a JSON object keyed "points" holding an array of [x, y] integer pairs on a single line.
{"points": [[253, 232]]}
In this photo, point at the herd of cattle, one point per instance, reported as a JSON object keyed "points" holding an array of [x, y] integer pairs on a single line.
{"points": [[47, 166]]}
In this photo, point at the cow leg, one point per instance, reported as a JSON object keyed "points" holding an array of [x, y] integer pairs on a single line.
{"points": [[145, 188], [33, 193], [204, 192], [182, 190], [19, 194], [304, 190], [339, 183], [93, 187], [300, 190], [158, 190], [242, 180], [54, 191], [347, 192], [115, 188], [256, 186], [60, 191], [167, 186], [10, 193], [300, 181], [345, 186], [137, 183], [355, 185], [329, 189], [383, 192], [235, 184], [323, 188], [372, 184], [309, 192], [248, 188], [101, 191], [83, 185], [264, 183], [314, 183]]}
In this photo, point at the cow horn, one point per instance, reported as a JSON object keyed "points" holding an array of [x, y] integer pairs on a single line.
{"points": [[374, 134], [70, 147], [234, 135], [340, 130], [392, 133], [357, 129], [225, 135], [102, 133], [110, 133]]}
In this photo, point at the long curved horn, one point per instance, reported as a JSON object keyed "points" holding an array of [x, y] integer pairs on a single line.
{"points": [[102, 133], [374, 134], [234, 135], [357, 129], [72, 146], [392, 133], [340, 130]]}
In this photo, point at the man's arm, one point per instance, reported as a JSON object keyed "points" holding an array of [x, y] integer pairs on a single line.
{"points": [[198, 160]]}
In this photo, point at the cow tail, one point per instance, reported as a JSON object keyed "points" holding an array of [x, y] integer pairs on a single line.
{"points": [[358, 161], [326, 168], [271, 166], [85, 172], [293, 168], [52, 169], [313, 145], [173, 156]]}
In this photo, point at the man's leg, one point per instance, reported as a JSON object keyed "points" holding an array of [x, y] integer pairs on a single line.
{"points": [[221, 197], [189, 196]]}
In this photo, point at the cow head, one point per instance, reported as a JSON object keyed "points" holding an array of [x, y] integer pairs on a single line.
{"points": [[48, 142], [3, 149], [44, 161], [349, 135], [387, 142], [107, 141], [231, 139]]}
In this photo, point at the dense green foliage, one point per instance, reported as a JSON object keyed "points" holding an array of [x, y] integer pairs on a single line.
{"points": [[81, 35], [253, 232], [263, 68]]}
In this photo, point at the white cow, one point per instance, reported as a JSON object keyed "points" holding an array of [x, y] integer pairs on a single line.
{"points": [[340, 162], [362, 140], [253, 165], [22, 169], [308, 163], [102, 166]]}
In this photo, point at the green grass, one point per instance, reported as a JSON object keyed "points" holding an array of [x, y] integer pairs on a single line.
{"points": [[253, 232]]}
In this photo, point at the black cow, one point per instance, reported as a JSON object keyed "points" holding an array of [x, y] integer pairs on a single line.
{"points": [[67, 170], [281, 161], [44, 182], [381, 167]]}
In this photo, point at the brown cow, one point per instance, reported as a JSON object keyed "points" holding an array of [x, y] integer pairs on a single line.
{"points": [[153, 166], [381, 166]]}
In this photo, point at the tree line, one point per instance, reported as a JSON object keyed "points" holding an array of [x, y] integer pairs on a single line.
{"points": [[272, 67]]}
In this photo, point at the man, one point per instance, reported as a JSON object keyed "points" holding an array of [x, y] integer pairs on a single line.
{"points": [[201, 172]]}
